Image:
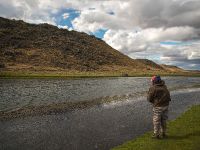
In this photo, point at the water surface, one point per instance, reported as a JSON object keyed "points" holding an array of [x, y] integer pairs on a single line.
{"points": [[99, 127], [17, 93]]}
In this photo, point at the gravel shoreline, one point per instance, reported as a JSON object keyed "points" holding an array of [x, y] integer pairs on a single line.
{"points": [[100, 127]]}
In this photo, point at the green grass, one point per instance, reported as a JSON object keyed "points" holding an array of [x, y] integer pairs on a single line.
{"points": [[183, 134]]}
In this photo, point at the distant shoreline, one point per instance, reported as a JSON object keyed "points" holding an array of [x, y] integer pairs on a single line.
{"points": [[70, 75]]}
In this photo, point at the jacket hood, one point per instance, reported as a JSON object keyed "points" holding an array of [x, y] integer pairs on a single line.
{"points": [[161, 83]]}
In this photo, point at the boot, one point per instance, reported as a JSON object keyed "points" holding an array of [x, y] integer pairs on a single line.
{"points": [[155, 136], [163, 135]]}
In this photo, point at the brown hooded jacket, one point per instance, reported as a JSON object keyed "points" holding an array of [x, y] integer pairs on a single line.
{"points": [[159, 95]]}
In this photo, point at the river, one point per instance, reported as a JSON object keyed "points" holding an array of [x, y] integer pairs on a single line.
{"points": [[97, 127]]}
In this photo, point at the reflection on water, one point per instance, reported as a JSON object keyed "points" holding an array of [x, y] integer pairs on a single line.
{"points": [[16, 93]]}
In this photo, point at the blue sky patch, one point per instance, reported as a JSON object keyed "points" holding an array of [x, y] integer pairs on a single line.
{"points": [[99, 33], [73, 13]]}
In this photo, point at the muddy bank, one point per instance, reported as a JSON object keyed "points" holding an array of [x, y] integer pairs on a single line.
{"points": [[99, 127]]}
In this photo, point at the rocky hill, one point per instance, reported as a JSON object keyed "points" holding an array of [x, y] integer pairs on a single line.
{"points": [[34, 47]]}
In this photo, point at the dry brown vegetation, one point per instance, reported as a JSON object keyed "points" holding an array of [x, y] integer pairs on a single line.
{"points": [[45, 49]]}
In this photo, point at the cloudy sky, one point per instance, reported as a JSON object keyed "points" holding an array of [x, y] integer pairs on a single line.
{"points": [[165, 31]]}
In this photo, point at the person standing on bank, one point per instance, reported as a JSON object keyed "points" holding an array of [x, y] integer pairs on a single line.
{"points": [[159, 96]]}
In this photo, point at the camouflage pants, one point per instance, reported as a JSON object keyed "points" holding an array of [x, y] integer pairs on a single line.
{"points": [[160, 116]]}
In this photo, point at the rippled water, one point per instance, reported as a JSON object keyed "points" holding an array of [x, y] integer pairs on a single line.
{"points": [[100, 127], [16, 93]]}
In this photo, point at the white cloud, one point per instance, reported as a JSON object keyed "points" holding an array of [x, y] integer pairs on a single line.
{"points": [[92, 20], [142, 13], [187, 56], [65, 27], [65, 15], [128, 41], [29, 11], [127, 14]]}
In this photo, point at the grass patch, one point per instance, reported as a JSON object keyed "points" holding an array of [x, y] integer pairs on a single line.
{"points": [[183, 134]]}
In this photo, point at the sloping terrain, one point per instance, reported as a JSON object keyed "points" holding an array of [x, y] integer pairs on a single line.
{"points": [[43, 47], [172, 68], [46, 45]]}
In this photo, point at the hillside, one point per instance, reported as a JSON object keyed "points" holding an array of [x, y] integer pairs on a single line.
{"points": [[150, 63], [172, 68], [43, 47], [164, 67]]}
